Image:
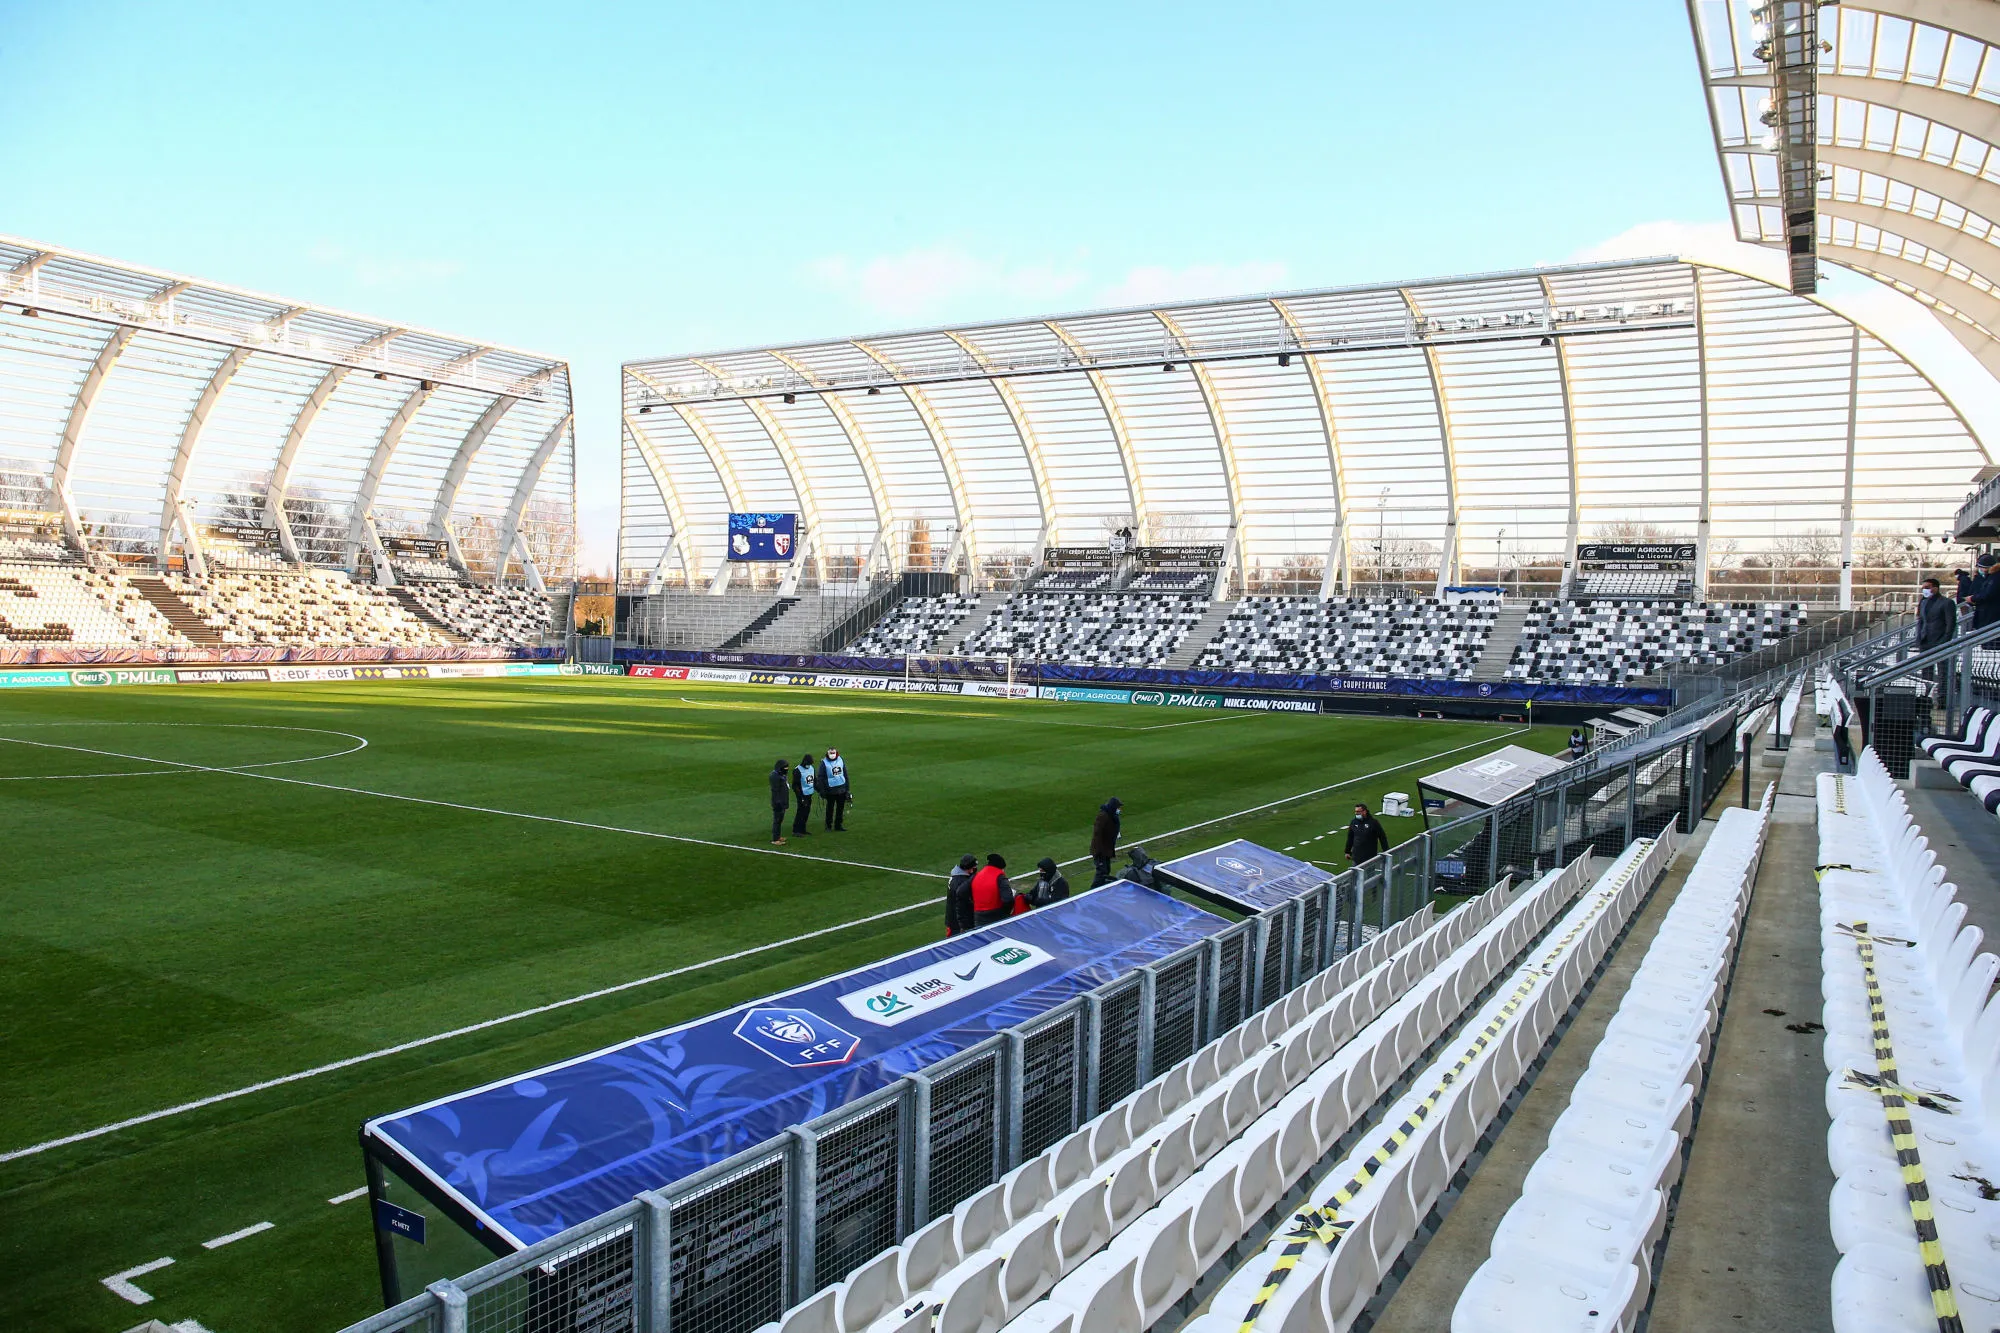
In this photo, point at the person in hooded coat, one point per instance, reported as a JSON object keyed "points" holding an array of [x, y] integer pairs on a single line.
{"points": [[1049, 886], [804, 784], [1104, 840], [958, 895], [1982, 591], [1365, 837], [781, 800]]}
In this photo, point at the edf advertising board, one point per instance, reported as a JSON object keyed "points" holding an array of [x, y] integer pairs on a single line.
{"points": [[763, 536]]}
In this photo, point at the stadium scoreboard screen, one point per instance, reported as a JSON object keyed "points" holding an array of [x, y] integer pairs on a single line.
{"points": [[767, 537]]}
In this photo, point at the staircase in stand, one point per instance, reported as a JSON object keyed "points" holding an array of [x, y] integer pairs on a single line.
{"points": [[1500, 643], [955, 637], [423, 613], [763, 621], [175, 611], [1198, 638]]}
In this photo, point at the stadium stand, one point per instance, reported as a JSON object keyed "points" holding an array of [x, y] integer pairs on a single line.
{"points": [[505, 616], [1610, 643], [1117, 1225], [311, 607], [1912, 1035], [1379, 636], [915, 625], [1644, 585], [72, 603], [1116, 629], [1172, 580], [19, 546], [1594, 1210], [1073, 580], [417, 569]]}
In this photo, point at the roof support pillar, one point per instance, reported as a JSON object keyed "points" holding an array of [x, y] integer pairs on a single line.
{"points": [[371, 480], [1225, 447], [378, 554], [171, 507], [288, 455], [676, 511], [1338, 572], [1447, 573], [1031, 445], [197, 559], [461, 463], [1701, 571], [79, 417], [528, 569], [857, 441], [1847, 487], [656, 581], [524, 490], [1572, 528]]}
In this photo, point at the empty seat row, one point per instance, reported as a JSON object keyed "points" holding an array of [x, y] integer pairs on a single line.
{"points": [[913, 625], [1108, 629], [1389, 636], [1002, 1248], [1358, 1215], [1972, 755], [1591, 1214], [301, 608], [1912, 1053], [74, 603], [505, 616]]}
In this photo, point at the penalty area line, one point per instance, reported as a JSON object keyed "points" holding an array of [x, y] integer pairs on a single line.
{"points": [[436, 1037]]}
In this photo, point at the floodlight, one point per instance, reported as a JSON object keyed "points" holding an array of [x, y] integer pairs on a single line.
{"points": [[873, 390], [791, 398], [1167, 368], [1284, 358]]}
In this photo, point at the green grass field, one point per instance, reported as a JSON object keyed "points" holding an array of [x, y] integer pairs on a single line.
{"points": [[173, 932]]}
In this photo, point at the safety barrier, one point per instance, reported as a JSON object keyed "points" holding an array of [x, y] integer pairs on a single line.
{"points": [[1337, 1246], [1577, 1249], [1913, 1059]]}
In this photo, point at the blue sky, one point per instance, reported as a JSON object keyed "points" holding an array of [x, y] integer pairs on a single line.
{"points": [[603, 182]]}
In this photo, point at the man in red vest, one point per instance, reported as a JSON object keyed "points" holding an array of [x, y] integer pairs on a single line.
{"points": [[992, 895]]}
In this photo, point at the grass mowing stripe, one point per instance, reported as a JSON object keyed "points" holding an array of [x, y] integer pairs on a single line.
{"points": [[476, 809], [434, 1038]]}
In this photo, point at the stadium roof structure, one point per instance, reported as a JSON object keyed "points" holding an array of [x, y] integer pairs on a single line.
{"points": [[1867, 135], [1391, 433], [142, 407]]}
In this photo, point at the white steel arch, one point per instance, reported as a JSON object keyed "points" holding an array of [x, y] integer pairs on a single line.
{"points": [[1651, 396], [180, 356]]}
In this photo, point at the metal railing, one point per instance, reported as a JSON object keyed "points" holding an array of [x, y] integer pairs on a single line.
{"points": [[732, 1247], [1902, 693], [1977, 504]]}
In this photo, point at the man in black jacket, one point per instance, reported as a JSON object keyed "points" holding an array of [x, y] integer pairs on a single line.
{"points": [[781, 800], [1104, 830], [1982, 591], [958, 895], [1365, 838], [804, 783], [1937, 617]]}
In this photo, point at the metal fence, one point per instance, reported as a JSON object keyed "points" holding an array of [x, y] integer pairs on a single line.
{"points": [[1901, 693], [731, 1248]]}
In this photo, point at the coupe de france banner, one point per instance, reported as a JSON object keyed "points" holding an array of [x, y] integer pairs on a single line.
{"points": [[763, 536]]}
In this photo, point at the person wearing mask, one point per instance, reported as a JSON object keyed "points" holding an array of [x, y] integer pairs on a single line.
{"points": [[833, 789], [992, 895], [1104, 840], [1981, 591], [1937, 621], [803, 786], [958, 896], [781, 800], [1365, 838], [1049, 886], [1577, 745]]}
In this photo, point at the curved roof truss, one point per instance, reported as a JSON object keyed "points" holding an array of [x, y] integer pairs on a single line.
{"points": [[147, 406], [1344, 436], [1905, 145]]}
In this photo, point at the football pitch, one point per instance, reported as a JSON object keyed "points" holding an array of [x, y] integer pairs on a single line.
{"points": [[241, 919]]}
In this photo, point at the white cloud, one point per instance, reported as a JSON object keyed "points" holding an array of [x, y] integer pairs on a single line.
{"points": [[378, 271], [1153, 283], [937, 279]]}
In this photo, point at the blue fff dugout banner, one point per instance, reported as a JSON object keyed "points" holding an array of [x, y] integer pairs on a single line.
{"points": [[542, 1152], [763, 536], [1244, 877]]}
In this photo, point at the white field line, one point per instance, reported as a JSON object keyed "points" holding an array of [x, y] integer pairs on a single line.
{"points": [[121, 1283], [469, 1028], [1316, 791], [348, 1197], [475, 809], [360, 743], [434, 1038], [235, 1236]]}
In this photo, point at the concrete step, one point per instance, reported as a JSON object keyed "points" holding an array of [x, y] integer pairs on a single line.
{"points": [[175, 611], [954, 638], [1198, 638], [1492, 664], [421, 612]]}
